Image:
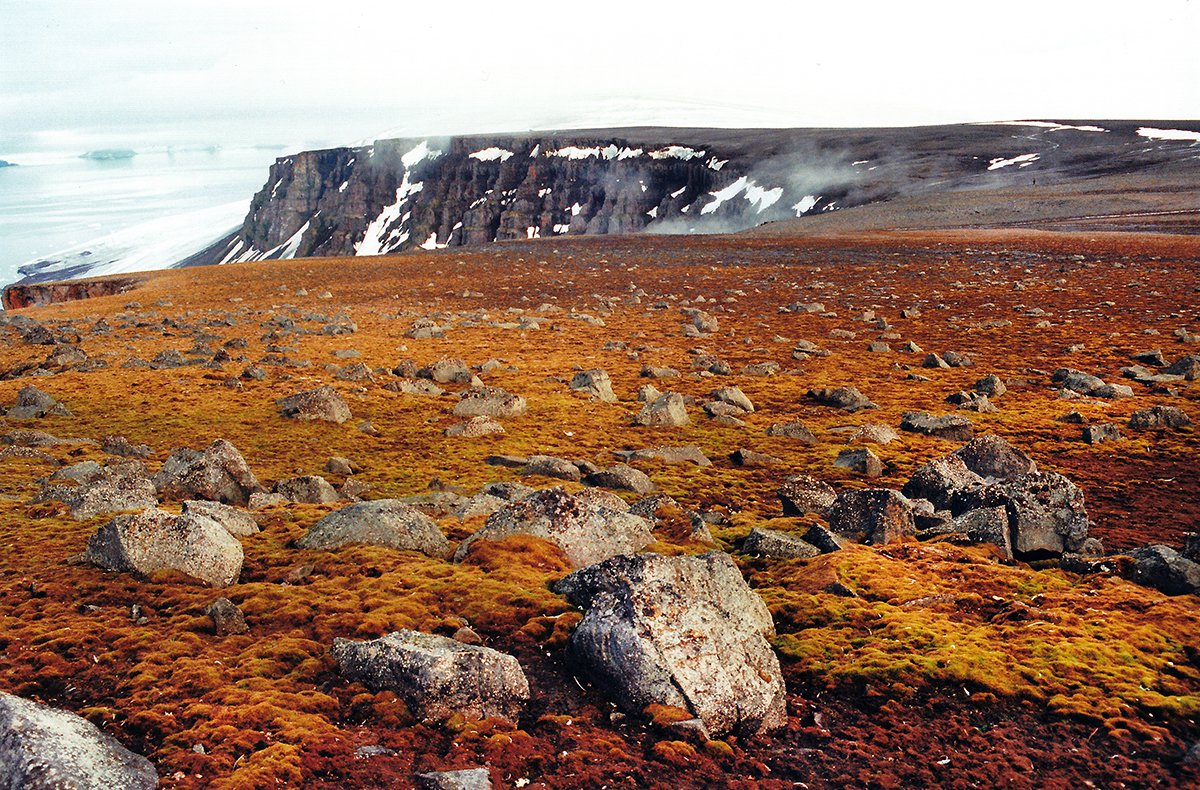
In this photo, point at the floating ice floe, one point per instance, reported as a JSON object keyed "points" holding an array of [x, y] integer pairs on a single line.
{"points": [[653, 213], [492, 154], [1151, 133], [1024, 160]]}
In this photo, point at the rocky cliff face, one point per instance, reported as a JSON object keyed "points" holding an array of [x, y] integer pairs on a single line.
{"points": [[400, 194], [22, 295]]}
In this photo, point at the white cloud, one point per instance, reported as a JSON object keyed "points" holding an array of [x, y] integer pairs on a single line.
{"points": [[340, 72]]}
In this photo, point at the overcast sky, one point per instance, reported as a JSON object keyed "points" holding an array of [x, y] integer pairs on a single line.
{"points": [[82, 73]]}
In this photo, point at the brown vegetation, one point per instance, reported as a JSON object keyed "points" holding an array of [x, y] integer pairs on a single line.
{"points": [[911, 664]]}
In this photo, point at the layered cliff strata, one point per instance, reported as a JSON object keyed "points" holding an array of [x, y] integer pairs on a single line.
{"points": [[399, 194]]}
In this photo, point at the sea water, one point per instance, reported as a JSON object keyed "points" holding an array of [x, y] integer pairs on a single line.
{"points": [[143, 212]]}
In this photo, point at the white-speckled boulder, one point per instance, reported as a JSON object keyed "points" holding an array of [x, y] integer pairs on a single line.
{"points": [[43, 748], [681, 631]]}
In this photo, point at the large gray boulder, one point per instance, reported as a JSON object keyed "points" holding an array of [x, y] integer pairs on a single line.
{"points": [[436, 676], [379, 522], [680, 631], [33, 403], [489, 402], [940, 426], [113, 489], [219, 473], [667, 411], [322, 403], [801, 494], [155, 540], [596, 383], [586, 532], [777, 545], [846, 398], [236, 522], [1165, 569], [43, 748], [875, 516], [307, 489]]}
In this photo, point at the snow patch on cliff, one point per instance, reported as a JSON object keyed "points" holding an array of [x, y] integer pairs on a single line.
{"points": [[806, 204], [389, 230], [758, 196], [492, 154]]}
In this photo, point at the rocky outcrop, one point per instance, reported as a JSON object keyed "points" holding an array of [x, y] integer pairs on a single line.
{"points": [[43, 748], [436, 676], [1045, 511], [16, 297], [681, 631]]}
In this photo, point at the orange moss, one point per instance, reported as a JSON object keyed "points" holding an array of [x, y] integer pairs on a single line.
{"points": [[268, 706]]}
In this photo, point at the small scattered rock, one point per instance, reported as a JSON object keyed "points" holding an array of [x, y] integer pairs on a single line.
{"points": [[778, 545], [226, 617], [860, 460]]}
